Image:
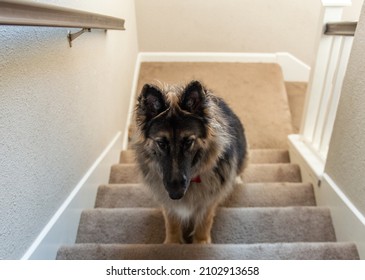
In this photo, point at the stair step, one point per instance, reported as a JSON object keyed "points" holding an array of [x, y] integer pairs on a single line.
{"points": [[127, 173], [127, 156], [271, 251], [124, 173], [269, 156], [231, 225], [266, 172], [244, 195], [255, 155], [124, 196], [271, 195]]}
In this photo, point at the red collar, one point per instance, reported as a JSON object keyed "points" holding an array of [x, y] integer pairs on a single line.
{"points": [[196, 179]]}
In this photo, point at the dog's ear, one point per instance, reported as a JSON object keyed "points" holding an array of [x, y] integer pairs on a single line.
{"points": [[151, 101], [193, 97]]}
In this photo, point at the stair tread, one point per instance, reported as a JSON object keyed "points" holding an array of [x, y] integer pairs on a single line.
{"points": [[262, 172], [244, 195], [231, 225], [267, 251], [255, 156], [269, 156], [267, 172]]}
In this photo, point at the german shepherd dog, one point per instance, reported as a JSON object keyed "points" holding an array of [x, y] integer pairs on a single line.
{"points": [[190, 147]]}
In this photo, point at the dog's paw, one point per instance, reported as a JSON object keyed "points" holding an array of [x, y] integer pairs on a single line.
{"points": [[206, 240], [171, 240]]}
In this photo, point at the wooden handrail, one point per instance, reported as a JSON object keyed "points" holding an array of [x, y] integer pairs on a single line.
{"points": [[35, 14]]}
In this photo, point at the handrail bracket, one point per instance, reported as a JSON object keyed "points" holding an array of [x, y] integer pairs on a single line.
{"points": [[73, 36]]}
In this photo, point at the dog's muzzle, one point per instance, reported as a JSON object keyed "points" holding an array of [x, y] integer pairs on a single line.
{"points": [[177, 188]]}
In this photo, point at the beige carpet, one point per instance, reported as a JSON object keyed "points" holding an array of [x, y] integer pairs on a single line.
{"points": [[272, 215], [266, 220], [255, 91]]}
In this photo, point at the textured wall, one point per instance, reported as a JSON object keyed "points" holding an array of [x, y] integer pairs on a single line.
{"points": [[346, 156], [59, 108], [229, 26]]}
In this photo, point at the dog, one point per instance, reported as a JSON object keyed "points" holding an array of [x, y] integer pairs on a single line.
{"points": [[190, 147]]}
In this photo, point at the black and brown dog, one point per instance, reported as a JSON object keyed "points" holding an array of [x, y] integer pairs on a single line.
{"points": [[190, 147]]}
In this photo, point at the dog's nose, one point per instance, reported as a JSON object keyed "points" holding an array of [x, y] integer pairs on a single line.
{"points": [[176, 195], [177, 187]]}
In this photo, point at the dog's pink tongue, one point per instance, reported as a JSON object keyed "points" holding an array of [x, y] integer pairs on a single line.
{"points": [[196, 179]]}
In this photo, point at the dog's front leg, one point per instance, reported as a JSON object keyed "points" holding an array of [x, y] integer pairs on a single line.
{"points": [[203, 226], [173, 229]]}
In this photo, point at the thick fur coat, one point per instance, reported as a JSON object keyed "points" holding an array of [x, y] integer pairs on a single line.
{"points": [[190, 147]]}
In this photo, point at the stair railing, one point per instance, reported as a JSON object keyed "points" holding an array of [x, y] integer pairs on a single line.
{"points": [[326, 80], [36, 14]]}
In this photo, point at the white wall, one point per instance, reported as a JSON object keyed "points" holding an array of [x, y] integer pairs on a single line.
{"points": [[346, 156], [352, 12], [229, 26], [59, 108]]}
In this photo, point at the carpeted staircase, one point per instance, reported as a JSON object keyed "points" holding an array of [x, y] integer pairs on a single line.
{"points": [[271, 215]]}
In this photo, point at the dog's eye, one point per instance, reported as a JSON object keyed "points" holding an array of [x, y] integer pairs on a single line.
{"points": [[162, 144], [188, 143]]}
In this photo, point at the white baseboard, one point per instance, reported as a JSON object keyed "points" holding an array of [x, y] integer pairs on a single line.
{"points": [[293, 68], [132, 101], [348, 222], [62, 228], [303, 155]]}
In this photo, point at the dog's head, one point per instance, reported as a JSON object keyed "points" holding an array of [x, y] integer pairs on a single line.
{"points": [[172, 122]]}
